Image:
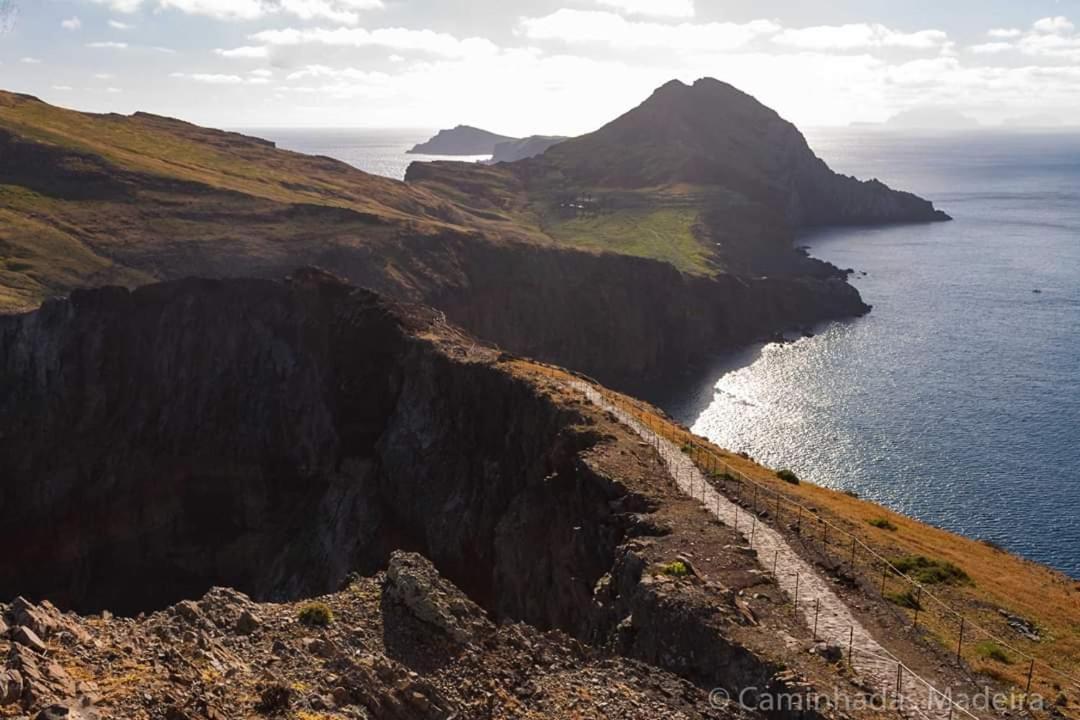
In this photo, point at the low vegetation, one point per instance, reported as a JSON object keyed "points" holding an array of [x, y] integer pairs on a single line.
{"points": [[907, 598], [788, 476], [660, 233], [990, 650], [316, 614], [882, 524], [929, 571], [675, 569]]}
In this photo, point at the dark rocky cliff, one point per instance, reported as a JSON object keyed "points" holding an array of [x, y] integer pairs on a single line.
{"points": [[267, 436], [275, 437]]}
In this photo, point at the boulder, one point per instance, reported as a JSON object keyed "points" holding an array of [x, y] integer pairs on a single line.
{"points": [[11, 687], [25, 636], [247, 623], [413, 581]]}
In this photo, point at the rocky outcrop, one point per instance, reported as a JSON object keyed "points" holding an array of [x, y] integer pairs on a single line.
{"points": [[514, 150], [379, 657], [461, 140], [412, 581]]}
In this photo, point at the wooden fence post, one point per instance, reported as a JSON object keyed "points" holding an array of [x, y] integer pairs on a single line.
{"points": [[960, 644], [795, 605]]}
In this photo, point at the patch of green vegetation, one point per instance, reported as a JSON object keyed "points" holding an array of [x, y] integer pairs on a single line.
{"points": [[882, 524], [316, 614], [929, 571], [990, 650], [38, 260], [907, 599], [788, 476], [660, 233], [675, 569]]}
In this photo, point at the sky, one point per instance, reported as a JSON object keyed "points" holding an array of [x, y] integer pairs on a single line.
{"points": [[540, 66]]}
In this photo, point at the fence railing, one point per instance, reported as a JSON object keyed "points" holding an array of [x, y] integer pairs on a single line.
{"points": [[847, 549]]}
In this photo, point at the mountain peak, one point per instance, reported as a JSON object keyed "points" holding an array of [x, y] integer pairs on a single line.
{"points": [[712, 134]]}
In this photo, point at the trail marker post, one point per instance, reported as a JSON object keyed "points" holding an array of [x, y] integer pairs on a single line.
{"points": [[817, 610]]}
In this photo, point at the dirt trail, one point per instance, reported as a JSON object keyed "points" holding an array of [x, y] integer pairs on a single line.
{"points": [[836, 625]]}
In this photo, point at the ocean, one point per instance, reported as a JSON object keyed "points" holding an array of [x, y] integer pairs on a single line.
{"points": [[382, 152], [957, 400]]}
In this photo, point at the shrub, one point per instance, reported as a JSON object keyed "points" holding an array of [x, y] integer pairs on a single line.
{"points": [[788, 476], [316, 614], [675, 569], [992, 651], [906, 599], [882, 523], [930, 571], [852, 494]]}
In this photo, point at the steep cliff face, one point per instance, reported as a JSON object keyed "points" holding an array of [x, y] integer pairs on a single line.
{"points": [[274, 437], [625, 320]]}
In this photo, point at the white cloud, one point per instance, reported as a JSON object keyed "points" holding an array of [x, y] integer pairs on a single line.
{"points": [[428, 41], [1057, 25], [123, 6], [1005, 33], [1052, 38], [30, 61], [659, 8], [992, 48], [73, 23], [62, 88], [117, 25], [348, 73], [104, 76], [262, 72], [209, 78], [605, 28], [220, 9], [220, 78], [113, 90], [341, 11], [859, 36], [246, 52], [108, 45]]}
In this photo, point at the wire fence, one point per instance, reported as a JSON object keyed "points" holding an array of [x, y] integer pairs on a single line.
{"points": [[848, 554]]}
